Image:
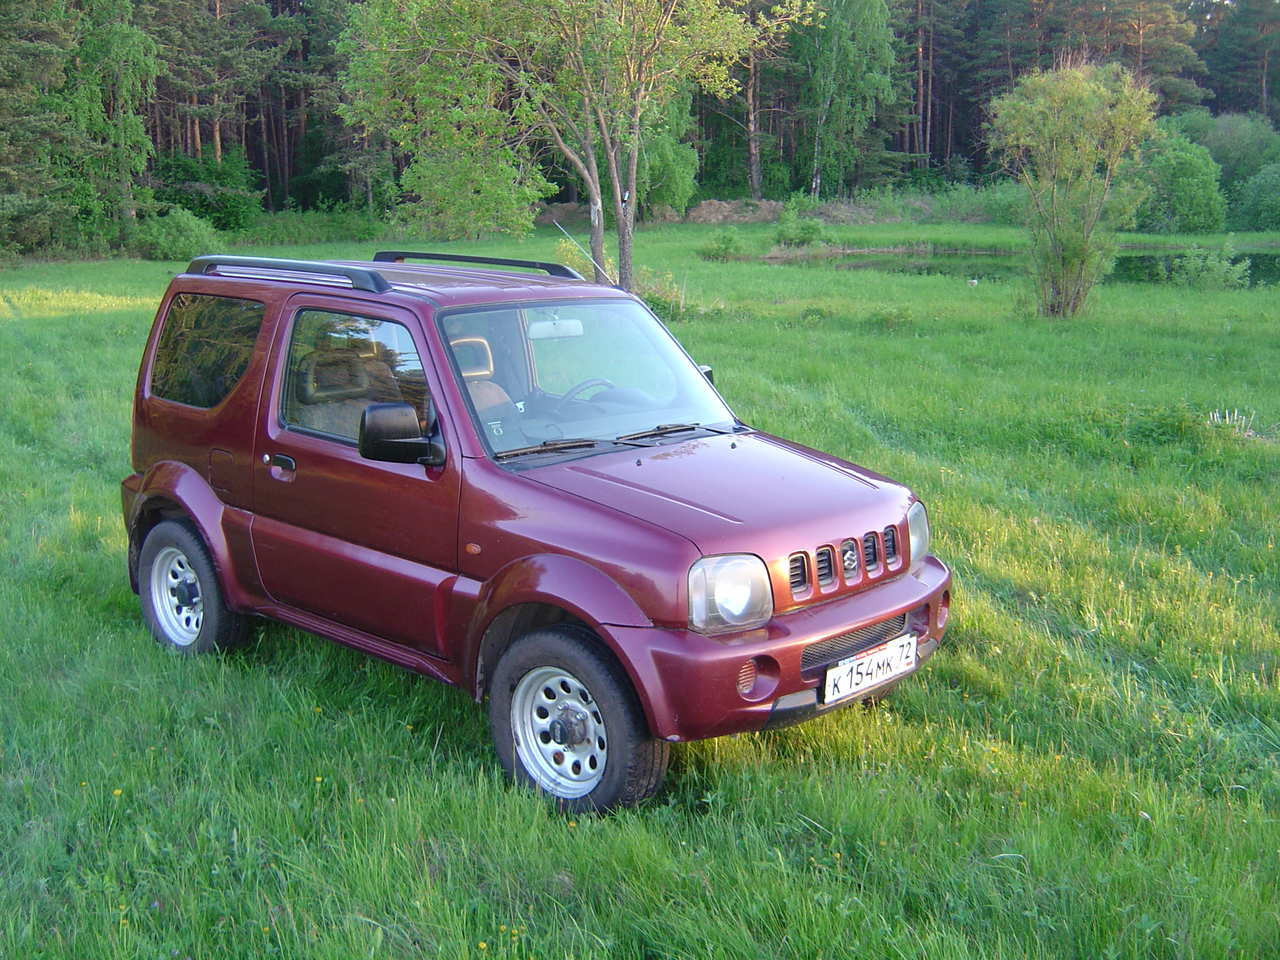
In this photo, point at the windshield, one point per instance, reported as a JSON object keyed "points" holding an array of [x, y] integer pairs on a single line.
{"points": [[581, 371]]}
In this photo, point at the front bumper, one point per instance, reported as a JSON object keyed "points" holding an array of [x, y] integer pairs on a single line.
{"points": [[689, 683]]}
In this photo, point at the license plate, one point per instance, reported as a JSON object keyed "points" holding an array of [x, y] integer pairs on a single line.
{"points": [[868, 669]]}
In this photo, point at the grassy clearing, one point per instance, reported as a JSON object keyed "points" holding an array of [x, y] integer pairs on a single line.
{"points": [[1089, 768]]}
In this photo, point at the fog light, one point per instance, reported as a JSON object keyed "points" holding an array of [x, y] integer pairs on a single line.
{"points": [[758, 678]]}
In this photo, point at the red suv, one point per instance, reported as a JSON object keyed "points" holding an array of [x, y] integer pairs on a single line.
{"points": [[515, 481]]}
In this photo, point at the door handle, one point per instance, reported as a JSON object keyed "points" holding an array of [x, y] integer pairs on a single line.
{"points": [[279, 460]]}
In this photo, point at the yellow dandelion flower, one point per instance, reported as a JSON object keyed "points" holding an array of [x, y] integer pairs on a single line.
{"points": [[319, 779], [116, 792], [482, 945]]}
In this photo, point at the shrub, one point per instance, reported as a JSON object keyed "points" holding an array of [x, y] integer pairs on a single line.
{"points": [[797, 231], [1210, 270], [1259, 205], [1066, 133], [177, 234], [1003, 202], [1182, 180], [1242, 144], [221, 193], [724, 245]]}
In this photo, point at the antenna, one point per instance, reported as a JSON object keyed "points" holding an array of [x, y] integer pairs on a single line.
{"points": [[584, 252]]}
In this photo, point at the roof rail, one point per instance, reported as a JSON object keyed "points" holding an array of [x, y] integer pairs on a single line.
{"points": [[554, 269], [359, 277]]}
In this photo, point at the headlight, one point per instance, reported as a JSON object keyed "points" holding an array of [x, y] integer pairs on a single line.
{"points": [[918, 530], [729, 593]]}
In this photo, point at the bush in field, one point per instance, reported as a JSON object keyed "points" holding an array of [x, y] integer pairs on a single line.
{"points": [[796, 231], [1003, 202], [1259, 205], [1183, 193], [1065, 133], [177, 234], [220, 192], [1211, 270], [724, 245]]}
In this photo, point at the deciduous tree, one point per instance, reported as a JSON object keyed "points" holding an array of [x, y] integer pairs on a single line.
{"points": [[1065, 133], [472, 87]]}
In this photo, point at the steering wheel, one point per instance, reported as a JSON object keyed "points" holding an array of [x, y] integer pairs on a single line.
{"points": [[572, 393]]}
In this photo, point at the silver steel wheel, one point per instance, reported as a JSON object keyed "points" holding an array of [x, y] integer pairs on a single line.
{"points": [[176, 597], [559, 732]]}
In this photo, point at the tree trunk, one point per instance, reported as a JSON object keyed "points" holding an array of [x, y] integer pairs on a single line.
{"points": [[754, 175], [217, 131], [197, 147]]}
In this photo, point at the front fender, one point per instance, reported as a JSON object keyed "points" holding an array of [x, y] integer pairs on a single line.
{"points": [[170, 485], [575, 586]]}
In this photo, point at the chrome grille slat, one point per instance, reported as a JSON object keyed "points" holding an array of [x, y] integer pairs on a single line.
{"points": [[828, 651], [799, 572], [890, 544], [826, 566], [870, 550]]}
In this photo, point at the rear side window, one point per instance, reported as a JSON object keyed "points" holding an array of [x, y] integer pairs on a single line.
{"points": [[205, 348]]}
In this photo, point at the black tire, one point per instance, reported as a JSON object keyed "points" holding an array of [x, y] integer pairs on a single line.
{"points": [[633, 761], [181, 598]]}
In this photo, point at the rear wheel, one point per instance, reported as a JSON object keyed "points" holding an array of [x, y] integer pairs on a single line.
{"points": [[565, 721], [180, 595]]}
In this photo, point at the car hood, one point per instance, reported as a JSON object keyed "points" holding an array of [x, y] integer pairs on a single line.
{"points": [[739, 493]]}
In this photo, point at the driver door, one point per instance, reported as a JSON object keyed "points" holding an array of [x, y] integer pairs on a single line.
{"points": [[360, 543]]}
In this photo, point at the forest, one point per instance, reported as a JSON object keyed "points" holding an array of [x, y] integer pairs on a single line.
{"points": [[115, 112]]}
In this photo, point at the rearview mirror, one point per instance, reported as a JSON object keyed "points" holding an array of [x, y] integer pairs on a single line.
{"points": [[706, 371], [390, 432]]}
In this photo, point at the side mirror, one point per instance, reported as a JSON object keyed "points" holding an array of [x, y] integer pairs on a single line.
{"points": [[706, 371], [390, 432]]}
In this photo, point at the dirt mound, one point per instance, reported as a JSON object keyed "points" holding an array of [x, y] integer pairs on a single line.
{"points": [[734, 211], [562, 213]]}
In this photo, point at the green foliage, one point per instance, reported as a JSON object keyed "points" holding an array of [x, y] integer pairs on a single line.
{"points": [[668, 167], [846, 63], [1003, 202], [315, 226], [1241, 144], [725, 244], [794, 230], [221, 193], [1066, 133], [1259, 205], [174, 234], [1182, 188], [1211, 270]]}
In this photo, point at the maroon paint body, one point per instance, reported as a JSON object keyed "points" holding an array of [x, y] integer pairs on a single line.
{"points": [[419, 564]]}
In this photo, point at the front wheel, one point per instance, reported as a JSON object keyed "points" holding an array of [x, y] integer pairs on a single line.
{"points": [[181, 599], [565, 721]]}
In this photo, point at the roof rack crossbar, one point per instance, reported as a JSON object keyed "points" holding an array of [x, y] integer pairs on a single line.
{"points": [[359, 277], [553, 269]]}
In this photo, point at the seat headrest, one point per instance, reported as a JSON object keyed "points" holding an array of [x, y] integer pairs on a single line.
{"points": [[325, 376]]}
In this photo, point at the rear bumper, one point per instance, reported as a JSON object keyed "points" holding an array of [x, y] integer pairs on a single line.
{"points": [[689, 683]]}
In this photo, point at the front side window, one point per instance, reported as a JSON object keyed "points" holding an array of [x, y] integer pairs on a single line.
{"points": [[205, 348], [340, 363], [595, 370]]}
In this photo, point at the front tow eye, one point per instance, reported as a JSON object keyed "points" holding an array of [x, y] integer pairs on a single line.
{"points": [[569, 728]]}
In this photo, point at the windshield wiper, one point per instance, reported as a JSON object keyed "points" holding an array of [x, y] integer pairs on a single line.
{"points": [[546, 446], [662, 429]]}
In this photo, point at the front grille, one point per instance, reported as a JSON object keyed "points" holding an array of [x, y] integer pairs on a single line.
{"points": [[826, 566], [799, 573], [837, 648], [849, 558], [870, 550], [890, 544]]}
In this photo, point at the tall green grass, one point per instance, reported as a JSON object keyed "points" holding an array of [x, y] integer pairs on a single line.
{"points": [[1088, 768]]}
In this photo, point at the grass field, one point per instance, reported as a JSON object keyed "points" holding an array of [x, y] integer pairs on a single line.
{"points": [[1089, 768]]}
